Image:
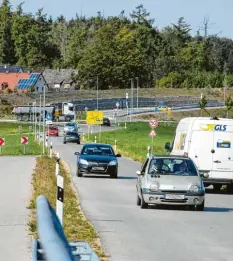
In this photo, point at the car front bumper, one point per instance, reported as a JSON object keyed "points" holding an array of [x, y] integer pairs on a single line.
{"points": [[72, 140], [185, 199], [108, 170]]}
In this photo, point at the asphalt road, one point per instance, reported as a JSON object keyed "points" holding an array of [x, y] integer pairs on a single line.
{"points": [[15, 186], [129, 233]]}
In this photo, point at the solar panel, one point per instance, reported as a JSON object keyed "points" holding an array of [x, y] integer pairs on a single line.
{"points": [[25, 84]]}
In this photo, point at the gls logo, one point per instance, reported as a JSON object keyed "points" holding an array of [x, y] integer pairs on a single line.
{"points": [[220, 127], [212, 127]]}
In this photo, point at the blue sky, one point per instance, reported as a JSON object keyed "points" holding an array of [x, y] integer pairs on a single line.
{"points": [[165, 12]]}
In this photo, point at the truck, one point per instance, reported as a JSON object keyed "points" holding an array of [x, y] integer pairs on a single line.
{"points": [[209, 143], [53, 113]]}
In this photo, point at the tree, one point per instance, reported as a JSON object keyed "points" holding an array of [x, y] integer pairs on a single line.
{"points": [[229, 105], [202, 104]]}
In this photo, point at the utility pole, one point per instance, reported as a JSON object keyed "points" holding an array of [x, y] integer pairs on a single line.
{"points": [[137, 91], [224, 88], [44, 124], [131, 109], [97, 83], [40, 119]]}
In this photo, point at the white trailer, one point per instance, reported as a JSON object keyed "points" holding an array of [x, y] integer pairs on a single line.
{"points": [[209, 143]]}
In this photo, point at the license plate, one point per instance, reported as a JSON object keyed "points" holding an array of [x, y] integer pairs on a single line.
{"points": [[172, 196], [98, 168]]}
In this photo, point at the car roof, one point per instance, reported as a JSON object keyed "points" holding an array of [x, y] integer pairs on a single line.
{"points": [[169, 156], [98, 144]]}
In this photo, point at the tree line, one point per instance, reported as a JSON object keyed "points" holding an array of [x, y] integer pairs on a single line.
{"points": [[116, 49]]}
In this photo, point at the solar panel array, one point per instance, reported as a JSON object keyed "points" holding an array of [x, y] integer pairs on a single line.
{"points": [[25, 84]]}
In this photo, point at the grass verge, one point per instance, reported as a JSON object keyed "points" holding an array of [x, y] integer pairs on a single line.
{"points": [[134, 140], [12, 134], [76, 226]]}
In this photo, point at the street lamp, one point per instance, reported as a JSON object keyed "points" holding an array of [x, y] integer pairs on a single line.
{"points": [[131, 109], [97, 92], [44, 123], [137, 91]]}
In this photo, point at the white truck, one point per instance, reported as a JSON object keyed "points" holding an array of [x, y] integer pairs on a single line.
{"points": [[209, 143], [27, 112]]}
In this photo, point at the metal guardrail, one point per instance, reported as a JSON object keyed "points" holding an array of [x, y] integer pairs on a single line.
{"points": [[52, 244]]}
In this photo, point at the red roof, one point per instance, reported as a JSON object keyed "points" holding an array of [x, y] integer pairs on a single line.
{"points": [[12, 79]]}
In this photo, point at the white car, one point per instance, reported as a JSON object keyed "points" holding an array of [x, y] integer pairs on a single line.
{"points": [[170, 180]]}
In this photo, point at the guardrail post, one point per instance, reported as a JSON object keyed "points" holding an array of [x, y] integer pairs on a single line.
{"points": [[51, 150], [60, 198], [95, 139], [125, 126], [115, 145], [57, 163], [46, 141], [148, 151]]}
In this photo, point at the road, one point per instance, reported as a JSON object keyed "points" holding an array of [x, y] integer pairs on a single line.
{"points": [[15, 187], [129, 233]]}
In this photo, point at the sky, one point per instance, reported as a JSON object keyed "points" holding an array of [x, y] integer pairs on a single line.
{"points": [[165, 12]]}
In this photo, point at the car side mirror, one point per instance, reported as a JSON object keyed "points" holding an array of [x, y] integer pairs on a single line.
{"points": [[118, 155], [139, 173], [168, 146], [77, 153]]}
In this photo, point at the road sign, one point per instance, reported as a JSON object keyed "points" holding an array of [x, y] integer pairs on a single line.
{"points": [[95, 117], [127, 95], [153, 133], [117, 104], [24, 140], [2, 141], [169, 111], [153, 122]]}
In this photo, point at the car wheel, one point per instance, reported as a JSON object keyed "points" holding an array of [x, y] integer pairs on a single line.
{"points": [[201, 207], [217, 187], [143, 203], [138, 201], [64, 142], [230, 188], [78, 142], [113, 176], [78, 174]]}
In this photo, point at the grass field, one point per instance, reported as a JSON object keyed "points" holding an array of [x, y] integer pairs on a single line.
{"points": [[182, 114], [76, 226], [134, 141], [12, 134]]}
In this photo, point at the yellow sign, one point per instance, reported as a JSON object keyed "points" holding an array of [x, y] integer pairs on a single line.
{"points": [[169, 111], [95, 117]]}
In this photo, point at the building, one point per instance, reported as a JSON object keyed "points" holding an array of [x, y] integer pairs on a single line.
{"points": [[9, 81], [10, 69], [60, 79], [34, 83], [22, 82]]}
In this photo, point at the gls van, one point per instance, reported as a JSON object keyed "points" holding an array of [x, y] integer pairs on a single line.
{"points": [[209, 143]]}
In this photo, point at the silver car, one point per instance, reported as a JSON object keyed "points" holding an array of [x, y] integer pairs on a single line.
{"points": [[171, 180], [70, 127]]}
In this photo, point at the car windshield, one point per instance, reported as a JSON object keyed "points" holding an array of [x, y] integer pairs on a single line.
{"points": [[52, 127], [70, 125], [172, 166], [97, 150]]}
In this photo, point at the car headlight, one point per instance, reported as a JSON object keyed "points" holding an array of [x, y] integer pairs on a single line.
{"points": [[112, 163], [193, 188], [83, 162], [154, 187]]}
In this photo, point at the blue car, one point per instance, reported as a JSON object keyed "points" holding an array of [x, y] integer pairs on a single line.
{"points": [[97, 159]]}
